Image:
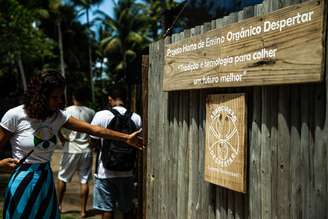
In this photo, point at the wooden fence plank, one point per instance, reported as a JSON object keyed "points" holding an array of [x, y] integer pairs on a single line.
{"points": [[274, 149], [320, 155], [172, 150], [283, 198], [255, 155], [183, 174], [142, 196], [266, 165], [163, 142], [295, 153], [183, 156], [207, 191], [193, 146], [306, 148], [254, 174], [153, 115]]}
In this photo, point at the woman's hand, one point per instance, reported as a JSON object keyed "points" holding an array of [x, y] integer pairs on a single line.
{"points": [[8, 163], [136, 140], [133, 139]]}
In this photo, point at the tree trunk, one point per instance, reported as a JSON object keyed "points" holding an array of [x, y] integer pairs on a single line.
{"points": [[21, 71], [61, 50], [61, 54], [90, 58]]}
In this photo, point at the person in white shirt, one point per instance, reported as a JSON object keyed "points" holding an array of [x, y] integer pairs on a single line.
{"points": [[77, 154], [113, 188], [31, 129]]}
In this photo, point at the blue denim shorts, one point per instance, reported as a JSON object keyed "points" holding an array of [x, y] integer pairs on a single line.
{"points": [[114, 193]]}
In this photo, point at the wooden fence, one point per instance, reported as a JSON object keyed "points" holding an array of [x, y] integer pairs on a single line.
{"points": [[287, 161]]}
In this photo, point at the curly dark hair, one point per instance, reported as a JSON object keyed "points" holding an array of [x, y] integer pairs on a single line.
{"points": [[38, 90]]}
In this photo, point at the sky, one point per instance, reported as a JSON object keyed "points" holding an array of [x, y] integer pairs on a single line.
{"points": [[107, 6]]}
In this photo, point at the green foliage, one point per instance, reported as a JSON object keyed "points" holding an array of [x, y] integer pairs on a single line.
{"points": [[161, 14], [29, 32], [28, 29], [21, 41], [123, 36], [18, 33]]}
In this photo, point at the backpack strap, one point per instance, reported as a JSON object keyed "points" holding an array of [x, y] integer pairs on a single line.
{"points": [[127, 113], [115, 112], [98, 149]]}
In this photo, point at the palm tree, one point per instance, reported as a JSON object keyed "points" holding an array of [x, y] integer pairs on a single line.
{"points": [[55, 12], [162, 14], [54, 9], [86, 5], [74, 39], [125, 34]]}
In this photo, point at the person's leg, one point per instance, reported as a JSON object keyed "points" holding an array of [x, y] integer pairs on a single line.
{"points": [[67, 168], [84, 193], [104, 197], [85, 170], [107, 215], [61, 193], [126, 195]]}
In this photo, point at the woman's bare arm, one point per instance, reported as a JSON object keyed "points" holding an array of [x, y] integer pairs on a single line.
{"points": [[7, 163], [81, 126]]}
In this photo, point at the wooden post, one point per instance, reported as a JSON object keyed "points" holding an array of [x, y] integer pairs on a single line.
{"points": [[142, 160]]}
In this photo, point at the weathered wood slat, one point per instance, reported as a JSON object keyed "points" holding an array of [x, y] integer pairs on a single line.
{"points": [[143, 164], [265, 142], [173, 155], [153, 116], [183, 174], [193, 150], [255, 205], [295, 152], [306, 148], [207, 190], [193, 145], [283, 192], [320, 155], [266, 165], [163, 142], [274, 150], [220, 211], [254, 178]]}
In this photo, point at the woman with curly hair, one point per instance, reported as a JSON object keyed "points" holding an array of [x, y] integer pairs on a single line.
{"points": [[32, 129]]}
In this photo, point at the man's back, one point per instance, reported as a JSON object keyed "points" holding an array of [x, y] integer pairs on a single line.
{"points": [[78, 142], [103, 118]]}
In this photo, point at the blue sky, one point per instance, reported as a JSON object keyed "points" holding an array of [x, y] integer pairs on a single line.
{"points": [[106, 6]]}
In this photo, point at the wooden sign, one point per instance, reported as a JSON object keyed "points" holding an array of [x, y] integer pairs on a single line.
{"points": [[225, 148], [283, 47]]}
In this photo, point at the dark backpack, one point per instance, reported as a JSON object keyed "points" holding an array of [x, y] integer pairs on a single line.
{"points": [[117, 155]]}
